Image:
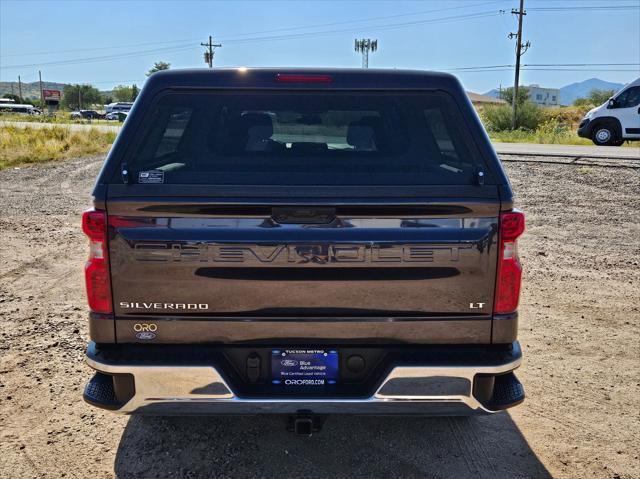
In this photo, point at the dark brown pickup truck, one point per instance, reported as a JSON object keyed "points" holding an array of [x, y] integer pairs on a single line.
{"points": [[303, 242]]}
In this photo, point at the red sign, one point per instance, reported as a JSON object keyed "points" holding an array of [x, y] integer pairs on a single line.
{"points": [[51, 95]]}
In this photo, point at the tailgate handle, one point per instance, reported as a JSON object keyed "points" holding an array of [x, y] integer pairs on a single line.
{"points": [[301, 215]]}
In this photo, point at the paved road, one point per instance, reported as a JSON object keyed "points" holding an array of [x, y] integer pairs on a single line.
{"points": [[576, 151], [524, 149]]}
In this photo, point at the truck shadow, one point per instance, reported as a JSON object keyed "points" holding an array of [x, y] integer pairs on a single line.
{"points": [[260, 446]]}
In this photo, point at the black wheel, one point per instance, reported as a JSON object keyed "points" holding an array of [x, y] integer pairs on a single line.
{"points": [[605, 134]]}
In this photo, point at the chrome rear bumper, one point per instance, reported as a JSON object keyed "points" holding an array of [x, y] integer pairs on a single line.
{"points": [[411, 389]]}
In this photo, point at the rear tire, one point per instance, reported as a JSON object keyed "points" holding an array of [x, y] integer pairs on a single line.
{"points": [[605, 134]]}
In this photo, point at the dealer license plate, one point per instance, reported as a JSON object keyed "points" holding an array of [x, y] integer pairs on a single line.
{"points": [[304, 367]]}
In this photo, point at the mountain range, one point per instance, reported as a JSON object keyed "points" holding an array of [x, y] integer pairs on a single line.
{"points": [[29, 90], [569, 93], [32, 90]]}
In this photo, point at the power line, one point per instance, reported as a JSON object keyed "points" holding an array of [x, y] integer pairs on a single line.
{"points": [[579, 64], [239, 38], [478, 68], [489, 67], [582, 69], [452, 19], [582, 8], [554, 70], [113, 47], [91, 82], [370, 19], [260, 32], [102, 58]]}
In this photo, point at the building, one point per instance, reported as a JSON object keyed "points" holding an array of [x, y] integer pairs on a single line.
{"points": [[544, 96], [481, 100]]}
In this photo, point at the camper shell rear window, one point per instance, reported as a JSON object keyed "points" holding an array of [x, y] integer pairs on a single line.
{"points": [[304, 138]]}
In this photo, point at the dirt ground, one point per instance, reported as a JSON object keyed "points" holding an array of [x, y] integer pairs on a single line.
{"points": [[579, 329]]}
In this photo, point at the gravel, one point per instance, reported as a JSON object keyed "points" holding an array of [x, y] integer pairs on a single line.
{"points": [[579, 330]]}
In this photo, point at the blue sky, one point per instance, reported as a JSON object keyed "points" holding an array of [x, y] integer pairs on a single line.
{"points": [[63, 38]]}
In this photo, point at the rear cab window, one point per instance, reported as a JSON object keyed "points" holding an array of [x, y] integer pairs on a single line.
{"points": [[298, 138]]}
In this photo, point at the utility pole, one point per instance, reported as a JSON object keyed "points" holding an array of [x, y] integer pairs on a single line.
{"points": [[365, 45], [41, 93], [208, 55], [519, 52], [20, 88]]}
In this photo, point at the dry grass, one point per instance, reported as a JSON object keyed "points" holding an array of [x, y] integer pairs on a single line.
{"points": [[59, 117], [19, 146]]}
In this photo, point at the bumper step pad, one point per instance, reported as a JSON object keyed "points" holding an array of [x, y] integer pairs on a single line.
{"points": [[100, 391], [507, 392]]}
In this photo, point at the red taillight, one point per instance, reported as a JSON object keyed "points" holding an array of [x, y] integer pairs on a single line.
{"points": [[96, 271], [509, 267], [289, 78]]}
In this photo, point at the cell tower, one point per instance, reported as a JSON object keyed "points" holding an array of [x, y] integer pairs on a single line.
{"points": [[365, 45]]}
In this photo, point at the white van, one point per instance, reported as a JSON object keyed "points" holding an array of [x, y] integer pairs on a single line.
{"points": [[615, 121], [123, 106], [18, 108]]}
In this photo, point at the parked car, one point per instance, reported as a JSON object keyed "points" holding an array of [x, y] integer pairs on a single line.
{"points": [[116, 115], [615, 121], [303, 242], [87, 115]]}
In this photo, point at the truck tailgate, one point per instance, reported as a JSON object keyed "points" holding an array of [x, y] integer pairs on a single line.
{"points": [[211, 263]]}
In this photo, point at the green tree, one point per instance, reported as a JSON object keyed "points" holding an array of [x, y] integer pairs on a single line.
{"points": [[11, 96], [594, 98], [523, 95], [158, 66], [598, 97], [122, 93], [126, 93], [34, 101], [80, 96]]}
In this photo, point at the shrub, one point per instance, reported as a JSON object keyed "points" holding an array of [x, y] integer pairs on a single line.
{"points": [[552, 131], [583, 102], [569, 116], [498, 117]]}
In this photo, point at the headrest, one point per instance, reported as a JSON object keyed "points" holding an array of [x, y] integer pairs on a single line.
{"points": [[258, 126], [361, 134]]}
